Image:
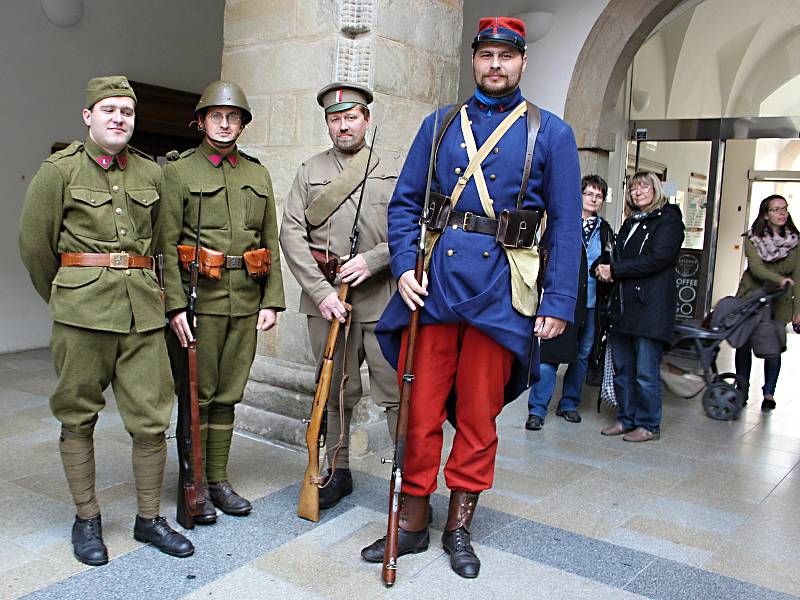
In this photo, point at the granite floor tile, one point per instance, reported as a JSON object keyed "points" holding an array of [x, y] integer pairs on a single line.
{"points": [[651, 544], [13, 555], [36, 575], [760, 566], [756, 455], [760, 437], [697, 516], [731, 485], [701, 539], [249, 583]]}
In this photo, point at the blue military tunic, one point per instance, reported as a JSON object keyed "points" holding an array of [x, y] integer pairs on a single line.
{"points": [[469, 275]]}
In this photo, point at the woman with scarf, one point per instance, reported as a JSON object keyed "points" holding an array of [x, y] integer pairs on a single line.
{"points": [[642, 305], [772, 254]]}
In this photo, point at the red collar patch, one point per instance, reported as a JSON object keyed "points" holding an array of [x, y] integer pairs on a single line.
{"points": [[216, 159]]}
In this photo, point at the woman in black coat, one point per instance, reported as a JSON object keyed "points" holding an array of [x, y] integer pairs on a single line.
{"points": [[642, 312]]}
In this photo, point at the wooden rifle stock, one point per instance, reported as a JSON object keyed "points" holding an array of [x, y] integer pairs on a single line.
{"points": [[191, 477], [308, 503]]}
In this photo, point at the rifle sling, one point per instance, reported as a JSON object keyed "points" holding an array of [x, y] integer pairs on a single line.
{"points": [[340, 189]]}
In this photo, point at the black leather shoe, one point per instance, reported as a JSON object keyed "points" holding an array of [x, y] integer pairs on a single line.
{"points": [[228, 501], [158, 532], [209, 514], [569, 415], [463, 559], [768, 404], [341, 486], [534, 423], [87, 541], [408, 542]]}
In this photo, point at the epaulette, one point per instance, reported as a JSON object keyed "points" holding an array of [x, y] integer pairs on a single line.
{"points": [[173, 155], [73, 148], [140, 153], [183, 154], [250, 158]]}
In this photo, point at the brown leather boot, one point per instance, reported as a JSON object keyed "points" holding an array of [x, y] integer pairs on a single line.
{"points": [[456, 536], [413, 535]]}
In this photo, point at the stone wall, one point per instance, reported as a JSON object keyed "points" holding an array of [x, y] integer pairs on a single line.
{"points": [[282, 52]]}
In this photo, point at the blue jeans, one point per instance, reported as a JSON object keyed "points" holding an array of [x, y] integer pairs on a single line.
{"points": [[542, 390], [772, 368], [637, 380]]}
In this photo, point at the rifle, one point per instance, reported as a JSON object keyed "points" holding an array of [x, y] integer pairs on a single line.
{"points": [[308, 503], [389, 570], [191, 481]]}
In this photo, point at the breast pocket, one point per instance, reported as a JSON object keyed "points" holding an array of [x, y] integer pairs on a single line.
{"points": [[141, 203], [90, 214], [255, 205], [214, 211]]}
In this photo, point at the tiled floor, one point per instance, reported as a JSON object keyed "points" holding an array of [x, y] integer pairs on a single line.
{"points": [[712, 510]]}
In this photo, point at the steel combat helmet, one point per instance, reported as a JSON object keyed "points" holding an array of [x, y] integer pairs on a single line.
{"points": [[224, 93]]}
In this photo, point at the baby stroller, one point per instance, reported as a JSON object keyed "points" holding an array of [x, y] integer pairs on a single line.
{"points": [[736, 320]]}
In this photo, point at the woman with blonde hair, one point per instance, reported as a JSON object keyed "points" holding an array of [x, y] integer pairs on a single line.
{"points": [[642, 310], [773, 256]]}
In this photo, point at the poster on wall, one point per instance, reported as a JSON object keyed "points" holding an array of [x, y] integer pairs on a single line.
{"points": [[694, 215]]}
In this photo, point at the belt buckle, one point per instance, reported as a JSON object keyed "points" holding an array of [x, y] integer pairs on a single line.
{"points": [[118, 260], [467, 215]]}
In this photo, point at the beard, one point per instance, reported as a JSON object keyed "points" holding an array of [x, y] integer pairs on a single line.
{"points": [[349, 145], [496, 89]]}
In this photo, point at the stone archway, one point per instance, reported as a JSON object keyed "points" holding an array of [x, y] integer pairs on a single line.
{"points": [[609, 49]]}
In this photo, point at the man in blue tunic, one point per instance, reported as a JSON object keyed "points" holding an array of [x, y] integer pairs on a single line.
{"points": [[501, 162]]}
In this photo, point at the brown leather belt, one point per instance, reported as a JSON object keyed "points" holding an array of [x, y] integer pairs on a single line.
{"points": [[234, 262], [114, 260], [474, 223]]}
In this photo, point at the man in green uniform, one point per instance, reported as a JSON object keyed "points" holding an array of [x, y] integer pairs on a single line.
{"points": [[238, 220], [318, 217], [85, 238]]}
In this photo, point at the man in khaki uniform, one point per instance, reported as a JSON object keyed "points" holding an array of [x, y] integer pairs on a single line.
{"points": [[238, 220], [318, 216], [85, 238]]}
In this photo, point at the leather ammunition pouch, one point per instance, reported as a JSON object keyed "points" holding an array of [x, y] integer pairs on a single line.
{"points": [[211, 261], [328, 263], [517, 228], [439, 207], [257, 262]]}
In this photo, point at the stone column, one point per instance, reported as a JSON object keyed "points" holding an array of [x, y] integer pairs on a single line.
{"points": [[282, 52]]}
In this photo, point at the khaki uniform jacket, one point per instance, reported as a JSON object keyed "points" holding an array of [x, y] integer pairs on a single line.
{"points": [[298, 237], [237, 215], [81, 200]]}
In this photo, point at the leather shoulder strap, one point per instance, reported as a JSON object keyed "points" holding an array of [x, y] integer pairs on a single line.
{"points": [[534, 122], [449, 117]]}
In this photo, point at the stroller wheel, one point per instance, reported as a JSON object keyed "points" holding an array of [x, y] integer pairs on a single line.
{"points": [[722, 401]]}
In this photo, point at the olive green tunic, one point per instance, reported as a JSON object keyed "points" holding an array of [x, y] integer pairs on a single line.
{"points": [[238, 214], [107, 321]]}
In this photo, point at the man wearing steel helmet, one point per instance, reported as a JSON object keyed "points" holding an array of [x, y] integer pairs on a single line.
{"points": [[234, 302], [85, 238], [478, 301], [318, 218]]}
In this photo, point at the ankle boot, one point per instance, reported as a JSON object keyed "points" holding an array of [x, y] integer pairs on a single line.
{"points": [[209, 514], [158, 532], [87, 541], [335, 488], [227, 500], [412, 536], [456, 537]]}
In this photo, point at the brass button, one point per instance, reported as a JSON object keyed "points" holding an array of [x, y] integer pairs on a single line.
{"points": [[463, 144], [496, 150], [485, 254], [118, 211], [492, 176], [454, 226], [115, 188], [450, 252], [127, 271], [123, 231], [457, 170]]}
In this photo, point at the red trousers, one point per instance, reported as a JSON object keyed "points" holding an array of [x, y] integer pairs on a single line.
{"points": [[445, 356]]}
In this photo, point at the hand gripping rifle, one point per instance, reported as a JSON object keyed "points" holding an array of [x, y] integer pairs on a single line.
{"points": [[389, 571], [308, 503], [191, 480]]}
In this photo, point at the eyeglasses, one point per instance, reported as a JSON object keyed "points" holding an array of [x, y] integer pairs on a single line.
{"points": [[232, 118], [597, 196], [640, 189], [779, 210]]}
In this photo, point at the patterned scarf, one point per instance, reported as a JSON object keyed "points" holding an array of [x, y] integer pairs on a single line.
{"points": [[773, 246], [588, 227]]}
